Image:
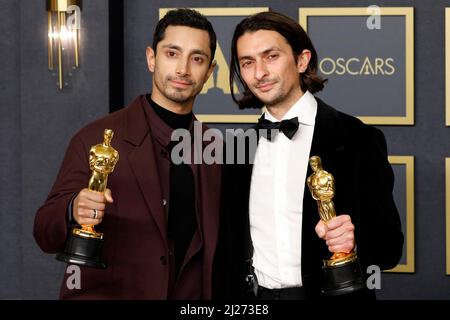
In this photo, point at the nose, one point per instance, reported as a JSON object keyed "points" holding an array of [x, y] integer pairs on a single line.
{"points": [[260, 70], [182, 67]]}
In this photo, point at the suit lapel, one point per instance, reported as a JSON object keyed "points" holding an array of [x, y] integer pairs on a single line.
{"points": [[329, 135], [143, 164], [328, 142]]}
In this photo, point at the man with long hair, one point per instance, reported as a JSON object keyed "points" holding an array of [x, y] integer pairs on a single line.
{"points": [[277, 241]]}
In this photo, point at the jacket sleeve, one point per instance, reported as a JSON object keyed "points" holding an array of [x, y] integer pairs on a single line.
{"points": [[380, 240], [51, 221]]}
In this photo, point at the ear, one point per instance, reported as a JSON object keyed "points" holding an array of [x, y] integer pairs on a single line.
{"points": [[210, 70], [151, 55], [303, 60]]}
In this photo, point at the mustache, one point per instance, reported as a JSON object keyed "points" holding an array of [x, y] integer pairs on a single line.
{"points": [[264, 82], [182, 79]]}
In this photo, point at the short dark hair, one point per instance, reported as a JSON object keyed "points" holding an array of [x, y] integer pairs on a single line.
{"points": [[294, 35], [187, 18]]}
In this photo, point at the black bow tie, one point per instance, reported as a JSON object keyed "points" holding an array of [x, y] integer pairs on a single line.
{"points": [[289, 127]]}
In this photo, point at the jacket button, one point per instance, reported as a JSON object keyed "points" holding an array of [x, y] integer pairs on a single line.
{"points": [[163, 260]]}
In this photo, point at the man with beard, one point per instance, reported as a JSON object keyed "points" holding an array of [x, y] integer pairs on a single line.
{"points": [[276, 240], [160, 219]]}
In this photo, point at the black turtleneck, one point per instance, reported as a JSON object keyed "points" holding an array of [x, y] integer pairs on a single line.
{"points": [[172, 119], [182, 218]]}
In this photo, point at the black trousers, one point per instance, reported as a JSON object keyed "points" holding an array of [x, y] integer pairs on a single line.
{"points": [[295, 293]]}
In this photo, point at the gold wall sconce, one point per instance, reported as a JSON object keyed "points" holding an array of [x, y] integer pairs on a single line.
{"points": [[63, 38]]}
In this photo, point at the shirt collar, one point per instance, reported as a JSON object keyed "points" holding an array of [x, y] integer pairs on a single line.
{"points": [[305, 109]]}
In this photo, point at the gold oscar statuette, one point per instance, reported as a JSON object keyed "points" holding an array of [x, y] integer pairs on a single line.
{"points": [[342, 271], [83, 245]]}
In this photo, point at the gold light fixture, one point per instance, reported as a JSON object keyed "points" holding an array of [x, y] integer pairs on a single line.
{"points": [[63, 38]]}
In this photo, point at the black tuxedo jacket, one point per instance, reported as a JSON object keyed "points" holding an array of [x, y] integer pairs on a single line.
{"points": [[356, 155]]}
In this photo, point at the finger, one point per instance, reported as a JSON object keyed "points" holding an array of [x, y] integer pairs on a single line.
{"points": [[100, 215], [339, 232], [91, 205], [92, 195], [108, 196], [340, 240], [86, 216], [90, 214], [321, 229], [347, 247], [89, 221], [338, 221]]}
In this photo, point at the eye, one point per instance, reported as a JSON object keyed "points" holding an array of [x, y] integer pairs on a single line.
{"points": [[171, 54], [272, 56], [246, 64], [198, 59]]}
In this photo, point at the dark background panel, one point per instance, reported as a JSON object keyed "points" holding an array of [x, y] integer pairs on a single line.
{"points": [[37, 122], [10, 152]]}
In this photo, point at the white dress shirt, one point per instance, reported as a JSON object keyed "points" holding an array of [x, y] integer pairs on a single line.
{"points": [[276, 199]]}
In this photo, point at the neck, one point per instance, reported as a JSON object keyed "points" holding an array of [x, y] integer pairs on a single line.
{"points": [[175, 107], [279, 109]]}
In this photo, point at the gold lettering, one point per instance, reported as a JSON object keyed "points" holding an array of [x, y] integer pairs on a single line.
{"points": [[354, 66], [366, 67], [389, 73], [340, 63], [332, 63], [354, 73], [379, 65]]}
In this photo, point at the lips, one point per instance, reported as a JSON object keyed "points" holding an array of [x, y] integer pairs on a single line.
{"points": [[180, 83], [265, 86]]}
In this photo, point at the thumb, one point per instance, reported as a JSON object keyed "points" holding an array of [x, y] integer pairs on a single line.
{"points": [[321, 229], [108, 196]]}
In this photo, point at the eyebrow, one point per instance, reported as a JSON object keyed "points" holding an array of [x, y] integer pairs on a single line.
{"points": [[261, 53], [201, 52], [195, 51], [172, 46]]}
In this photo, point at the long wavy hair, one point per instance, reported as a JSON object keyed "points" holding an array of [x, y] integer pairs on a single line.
{"points": [[298, 41]]}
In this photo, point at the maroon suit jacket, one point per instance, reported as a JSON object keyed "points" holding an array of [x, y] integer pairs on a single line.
{"points": [[136, 245]]}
